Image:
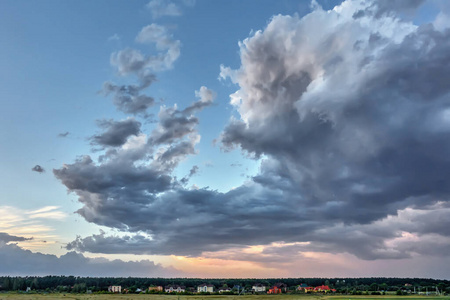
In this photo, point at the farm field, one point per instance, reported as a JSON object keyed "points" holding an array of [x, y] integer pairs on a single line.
{"points": [[12, 296]]}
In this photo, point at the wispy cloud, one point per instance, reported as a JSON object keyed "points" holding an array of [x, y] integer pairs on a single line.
{"points": [[114, 37], [64, 134], [47, 212], [160, 8], [31, 224]]}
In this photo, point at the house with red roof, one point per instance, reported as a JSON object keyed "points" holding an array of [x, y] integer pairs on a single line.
{"points": [[319, 289], [322, 289], [274, 290]]}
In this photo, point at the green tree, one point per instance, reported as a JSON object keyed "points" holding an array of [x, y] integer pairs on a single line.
{"points": [[7, 285]]}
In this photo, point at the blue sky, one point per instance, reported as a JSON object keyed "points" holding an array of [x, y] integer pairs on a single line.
{"points": [[245, 153]]}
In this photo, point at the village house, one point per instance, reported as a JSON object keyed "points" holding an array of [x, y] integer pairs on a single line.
{"points": [[155, 288], [205, 288], [274, 290], [258, 288], [282, 286], [322, 289], [302, 287], [319, 289], [174, 289], [278, 288], [224, 289], [115, 289]]}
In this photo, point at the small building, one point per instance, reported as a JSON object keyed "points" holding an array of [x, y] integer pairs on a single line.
{"points": [[258, 288], [238, 288], [281, 286], [115, 289], [274, 290], [174, 289], [156, 288], [322, 289], [301, 287], [205, 288], [224, 289]]}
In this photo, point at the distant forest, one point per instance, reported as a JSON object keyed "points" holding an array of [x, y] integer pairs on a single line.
{"points": [[101, 284]]}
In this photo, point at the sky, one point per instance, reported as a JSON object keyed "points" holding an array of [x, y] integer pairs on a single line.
{"points": [[196, 138]]}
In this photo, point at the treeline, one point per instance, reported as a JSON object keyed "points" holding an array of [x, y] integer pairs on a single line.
{"points": [[98, 284]]}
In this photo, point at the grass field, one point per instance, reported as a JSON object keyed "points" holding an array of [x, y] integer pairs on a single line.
{"points": [[12, 296]]}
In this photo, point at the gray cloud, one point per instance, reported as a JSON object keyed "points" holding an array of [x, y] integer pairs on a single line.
{"points": [[396, 6], [189, 222], [116, 133], [19, 262], [173, 125], [129, 98], [132, 61], [352, 152], [192, 172], [135, 244], [206, 96], [136, 173], [38, 168], [383, 8], [64, 134], [6, 238], [350, 117]]}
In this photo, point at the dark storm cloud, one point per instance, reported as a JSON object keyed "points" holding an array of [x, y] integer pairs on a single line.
{"points": [[354, 153], [110, 185], [188, 222], [19, 262], [136, 244], [6, 238], [350, 117], [38, 168], [116, 133], [128, 180]]}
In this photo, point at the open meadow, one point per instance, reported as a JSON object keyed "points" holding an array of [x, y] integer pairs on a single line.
{"points": [[24, 296]]}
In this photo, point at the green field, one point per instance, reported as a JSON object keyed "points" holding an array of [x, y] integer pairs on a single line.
{"points": [[24, 296]]}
